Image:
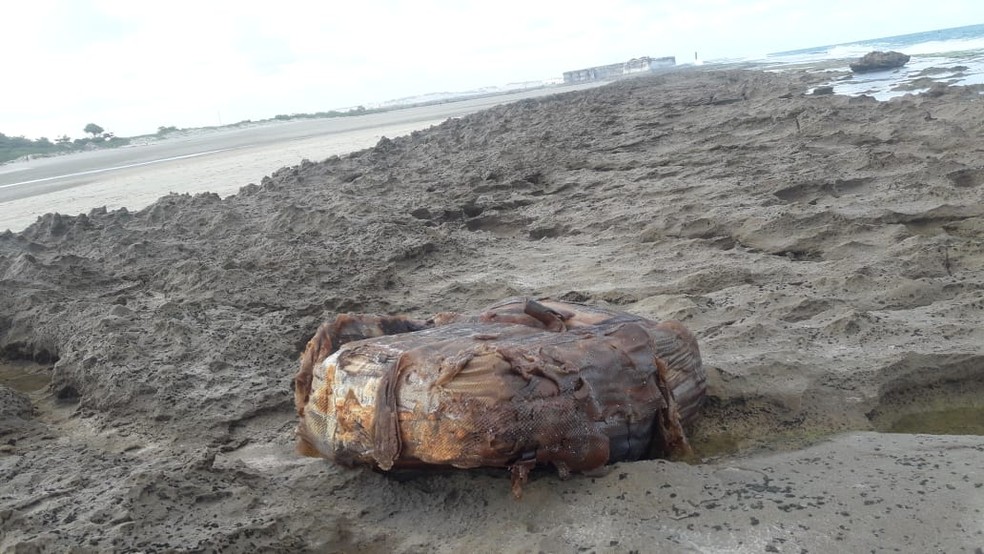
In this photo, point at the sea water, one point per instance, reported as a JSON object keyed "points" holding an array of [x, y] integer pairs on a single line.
{"points": [[951, 56]]}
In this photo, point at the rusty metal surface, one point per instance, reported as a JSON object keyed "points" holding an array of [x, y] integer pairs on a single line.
{"points": [[524, 382]]}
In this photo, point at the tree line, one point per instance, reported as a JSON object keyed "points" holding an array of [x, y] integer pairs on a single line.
{"points": [[12, 148]]}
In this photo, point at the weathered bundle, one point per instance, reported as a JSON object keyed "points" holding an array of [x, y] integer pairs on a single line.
{"points": [[524, 382]]}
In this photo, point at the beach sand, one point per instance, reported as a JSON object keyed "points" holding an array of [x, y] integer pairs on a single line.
{"points": [[827, 251], [223, 173]]}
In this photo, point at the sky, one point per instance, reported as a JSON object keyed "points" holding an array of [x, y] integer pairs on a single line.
{"points": [[133, 66]]}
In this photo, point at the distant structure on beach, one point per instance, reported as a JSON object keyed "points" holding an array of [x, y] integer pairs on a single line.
{"points": [[619, 70]]}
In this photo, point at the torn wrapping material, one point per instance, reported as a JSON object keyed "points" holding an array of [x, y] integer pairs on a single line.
{"points": [[524, 382]]}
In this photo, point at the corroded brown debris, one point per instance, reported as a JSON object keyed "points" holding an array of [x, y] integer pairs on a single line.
{"points": [[524, 382]]}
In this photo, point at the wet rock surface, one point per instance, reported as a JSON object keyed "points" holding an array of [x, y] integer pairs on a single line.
{"points": [[879, 61], [14, 404], [826, 251]]}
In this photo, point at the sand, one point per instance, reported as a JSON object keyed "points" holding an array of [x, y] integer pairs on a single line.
{"points": [[827, 251], [222, 173]]}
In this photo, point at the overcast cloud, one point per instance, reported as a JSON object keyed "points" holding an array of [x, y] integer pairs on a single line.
{"points": [[133, 66]]}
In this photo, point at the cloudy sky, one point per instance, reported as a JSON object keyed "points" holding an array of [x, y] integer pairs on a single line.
{"points": [[131, 66]]}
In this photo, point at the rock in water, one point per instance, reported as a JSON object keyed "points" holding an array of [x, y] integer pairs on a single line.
{"points": [[879, 61], [524, 382]]}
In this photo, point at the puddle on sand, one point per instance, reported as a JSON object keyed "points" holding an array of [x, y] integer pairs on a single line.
{"points": [[24, 377], [933, 419], [951, 421], [714, 446]]}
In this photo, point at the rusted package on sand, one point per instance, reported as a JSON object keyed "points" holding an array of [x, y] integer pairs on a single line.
{"points": [[522, 383]]}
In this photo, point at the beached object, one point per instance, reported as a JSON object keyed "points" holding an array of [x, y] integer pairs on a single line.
{"points": [[879, 61], [524, 382]]}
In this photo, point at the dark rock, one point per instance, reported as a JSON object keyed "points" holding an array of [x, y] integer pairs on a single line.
{"points": [[937, 90], [823, 91], [879, 61], [13, 405]]}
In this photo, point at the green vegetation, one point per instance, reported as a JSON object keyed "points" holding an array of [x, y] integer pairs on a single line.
{"points": [[361, 110], [12, 148], [93, 129]]}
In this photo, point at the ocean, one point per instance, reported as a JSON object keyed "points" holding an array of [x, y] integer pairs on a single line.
{"points": [[952, 56]]}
